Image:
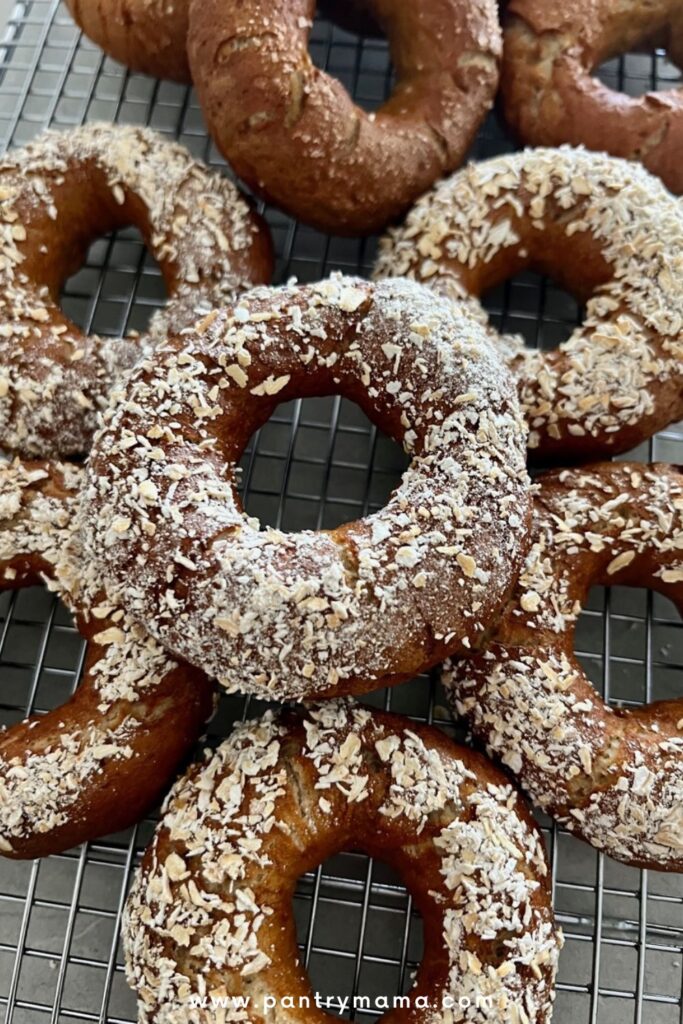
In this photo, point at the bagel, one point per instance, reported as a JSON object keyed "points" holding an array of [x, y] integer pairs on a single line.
{"points": [[614, 777], [603, 228], [144, 35], [550, 95], [56, 195], [150, 36], [297, 616], [210, 911], [99, 762], [296, 137]]}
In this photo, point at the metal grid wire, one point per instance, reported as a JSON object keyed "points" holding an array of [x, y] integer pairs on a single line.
{"points": [[316, 463]]}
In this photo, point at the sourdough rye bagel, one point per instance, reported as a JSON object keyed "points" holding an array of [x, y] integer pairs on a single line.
{"points": [[606, 230], [550, 95], [144, 35], [57, 194], [99, 762], [328, 612], [210, 911], [614, 777], [294, 134]]}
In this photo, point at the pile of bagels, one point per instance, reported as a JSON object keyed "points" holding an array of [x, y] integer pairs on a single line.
{"points": [[119, 488]]}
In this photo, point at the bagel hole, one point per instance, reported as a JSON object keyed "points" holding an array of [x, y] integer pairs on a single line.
{"points": [[638, 73], [316, 464], [118, 287], [360, 62], [535, 306], [629, 640], [41, 653], [354, 17], [364, 904]]}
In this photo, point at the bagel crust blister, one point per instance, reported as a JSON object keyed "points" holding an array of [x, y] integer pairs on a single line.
{"points": [[612, 776], [610, 233], [210, 912], [297, 616], [98, 763], [57, 195]]}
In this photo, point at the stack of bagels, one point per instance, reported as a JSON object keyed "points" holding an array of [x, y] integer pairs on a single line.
{"points": [[118, 489]]}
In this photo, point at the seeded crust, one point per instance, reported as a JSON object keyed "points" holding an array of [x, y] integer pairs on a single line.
{"points": [[550, 95], [293, 616], [149, 36], [607, 231], [293, 133], [210, 911], [613, 777], [99, 762], [56, 195]]}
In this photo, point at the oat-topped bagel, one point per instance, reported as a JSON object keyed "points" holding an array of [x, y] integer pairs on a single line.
{"points": [[294, 134], [614, 777], [56, 195], [314, 613], [99, 762], [210, 912], [549, 92], [607, 231]]}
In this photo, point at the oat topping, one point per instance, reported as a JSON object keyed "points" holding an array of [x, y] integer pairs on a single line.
{"points": [[295, 615], [291, 615], [56, 195], [210, 908], [49, 765], [551, 94], [593, 211], [613, 777]]}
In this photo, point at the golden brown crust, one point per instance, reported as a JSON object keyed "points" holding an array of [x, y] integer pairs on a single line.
{"points": [[96, 764], [145, 35], [210, 912], [56, 195], [605, 229], [550, 96], [293, 133], [315, 613], [613, 777]]}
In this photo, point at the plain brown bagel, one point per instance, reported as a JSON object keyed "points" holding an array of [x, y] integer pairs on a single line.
{"points": [[145, 35], [294, 134], [551, 96]]}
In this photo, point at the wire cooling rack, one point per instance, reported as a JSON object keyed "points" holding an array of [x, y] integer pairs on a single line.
{"points": [[316, 463]]}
